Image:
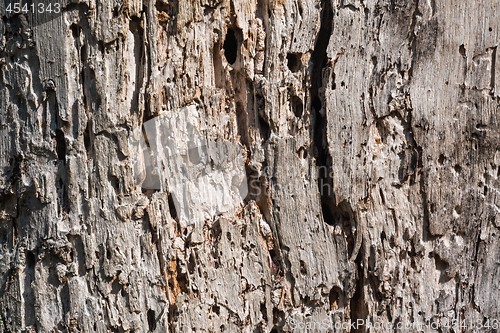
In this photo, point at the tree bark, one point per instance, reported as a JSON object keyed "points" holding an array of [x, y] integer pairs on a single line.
{"points": [[369, 135]]}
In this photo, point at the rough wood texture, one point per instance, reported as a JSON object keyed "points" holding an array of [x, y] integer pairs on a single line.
{"points": [[370, 131]]}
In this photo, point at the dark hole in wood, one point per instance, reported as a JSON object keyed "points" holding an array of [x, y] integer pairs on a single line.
{"points": [[263, 310], [327, 214], [316, 103], [30, 259], [171, 207], [461, 49], [60, 145], [230, 46], [297, 106], [334, 298], [265, 129], [293, 61], [86, 139], [441, 159], [75, 30], [151, 320]]}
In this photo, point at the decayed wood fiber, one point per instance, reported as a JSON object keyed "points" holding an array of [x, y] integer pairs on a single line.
{"points": [[370, 131]]}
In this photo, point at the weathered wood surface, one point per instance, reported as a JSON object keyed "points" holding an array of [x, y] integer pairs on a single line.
{"points": [[371, 136]]}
